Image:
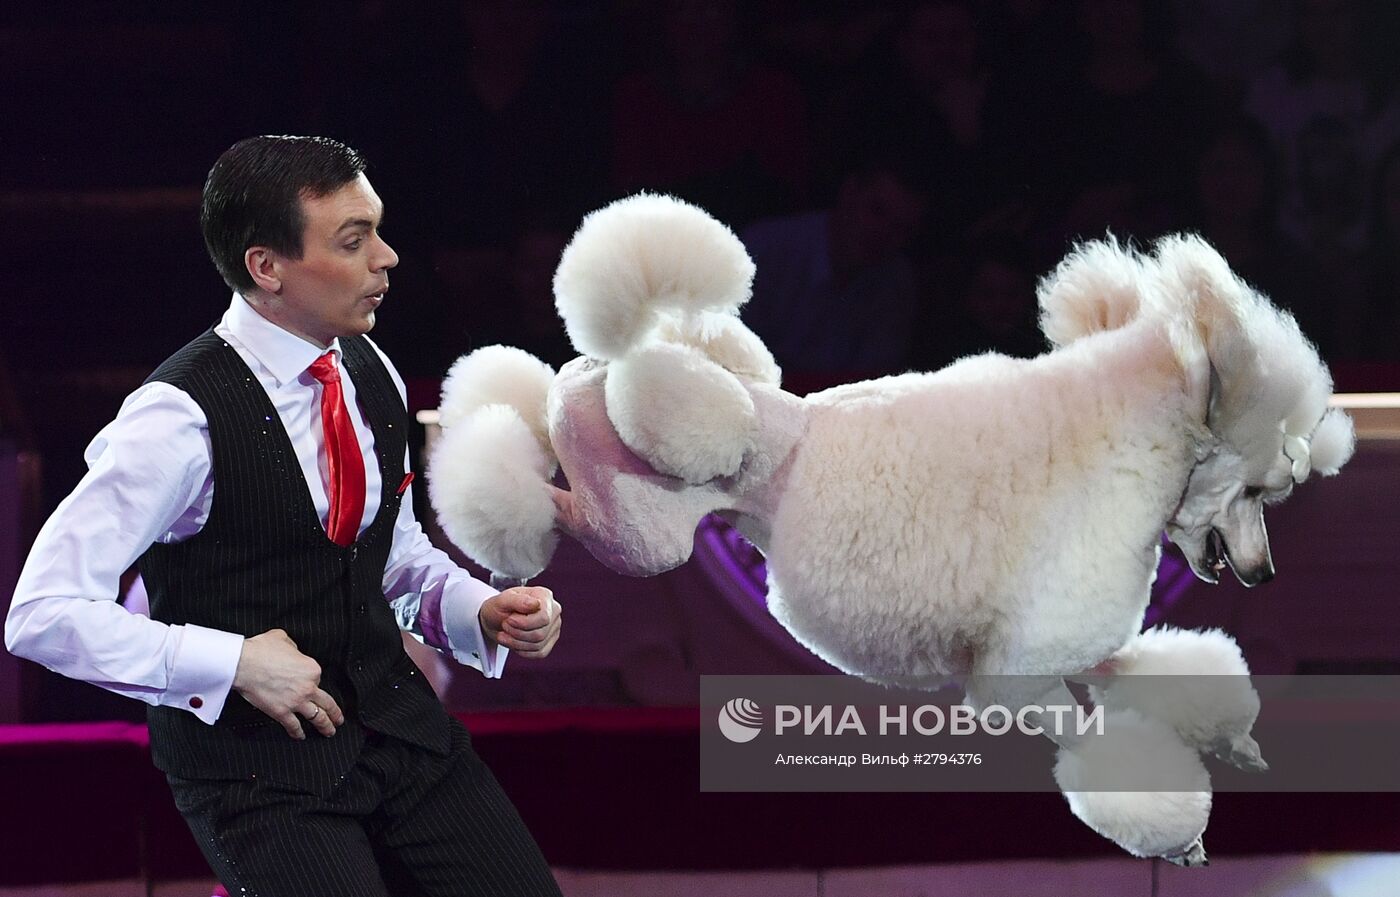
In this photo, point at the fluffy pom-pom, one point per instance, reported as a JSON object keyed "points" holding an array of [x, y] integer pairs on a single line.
{"points": [[498, 375], [488, 479], [639, 256], [1096, 287], [1168, 651], [1332, 442], [1195, 682], [1135, 751], [687, 416], [727, 342]]}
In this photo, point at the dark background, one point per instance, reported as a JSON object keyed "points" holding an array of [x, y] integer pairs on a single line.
{"points": [[956, 149], [960, 148], [933, 159]]}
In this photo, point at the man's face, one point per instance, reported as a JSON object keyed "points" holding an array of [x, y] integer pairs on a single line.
{"points": [[342, 275]]}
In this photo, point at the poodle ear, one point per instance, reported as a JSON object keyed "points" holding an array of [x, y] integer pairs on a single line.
{"points": [[638, 257], [727, 342], [682, 413], [1332, 442], [1269, 386], [1197, 277]]}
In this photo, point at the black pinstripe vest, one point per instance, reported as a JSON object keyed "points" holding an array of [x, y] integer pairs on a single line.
{"points": [[263, 561]]}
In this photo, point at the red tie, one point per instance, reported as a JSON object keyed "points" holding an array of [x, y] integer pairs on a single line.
{"points": [[344, 464]]}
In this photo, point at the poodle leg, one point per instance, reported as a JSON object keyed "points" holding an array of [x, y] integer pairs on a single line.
{"points": [[1195, 682], [1100, 774], [1033, 698], [1139, 785]]}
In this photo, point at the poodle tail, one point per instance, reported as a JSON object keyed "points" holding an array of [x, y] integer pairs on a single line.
{"points": [[640, 260], [1096, 288], [490, 470]]}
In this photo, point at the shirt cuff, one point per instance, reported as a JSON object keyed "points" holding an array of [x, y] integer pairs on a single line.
{"points": [[461, 621], [202, 670]]}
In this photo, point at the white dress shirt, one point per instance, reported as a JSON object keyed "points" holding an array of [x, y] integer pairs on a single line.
{"points": [[150, 479]]}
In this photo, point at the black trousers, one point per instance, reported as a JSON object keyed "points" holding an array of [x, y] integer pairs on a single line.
{"points": [[404, 822]]}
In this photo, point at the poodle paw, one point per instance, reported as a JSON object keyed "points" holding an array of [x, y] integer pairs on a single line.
{"points": [[1243, 752], [1138, 785], [1193, 856]]}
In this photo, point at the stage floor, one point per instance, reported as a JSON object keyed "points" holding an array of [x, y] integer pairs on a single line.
{"points": [[615, 793]]}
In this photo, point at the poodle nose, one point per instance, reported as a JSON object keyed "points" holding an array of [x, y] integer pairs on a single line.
{"points": [[1258, 576]]}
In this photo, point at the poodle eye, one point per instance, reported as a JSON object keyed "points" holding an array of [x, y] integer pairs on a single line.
{"points": [[1253, 491]]}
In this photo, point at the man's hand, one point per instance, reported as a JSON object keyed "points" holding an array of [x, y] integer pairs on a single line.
{"points": [[525, 619], [282, 682]]}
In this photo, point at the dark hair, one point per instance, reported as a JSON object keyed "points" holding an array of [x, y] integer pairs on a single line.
{"points": [[252, 197]]}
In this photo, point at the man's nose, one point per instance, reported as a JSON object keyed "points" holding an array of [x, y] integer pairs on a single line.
{"points": [[387, 257]]}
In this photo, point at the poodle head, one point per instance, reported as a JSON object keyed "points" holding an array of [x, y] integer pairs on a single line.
{"points": [[1220, 521], [1268, 421]]}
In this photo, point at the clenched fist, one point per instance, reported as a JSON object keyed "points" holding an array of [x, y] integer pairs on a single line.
{"points": [[525, 619], [284, 683]]}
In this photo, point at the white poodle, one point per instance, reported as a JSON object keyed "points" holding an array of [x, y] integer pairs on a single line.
{"points": [[999, 516]]}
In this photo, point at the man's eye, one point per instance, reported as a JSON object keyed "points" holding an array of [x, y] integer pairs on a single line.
{"points": [[353, 245]]}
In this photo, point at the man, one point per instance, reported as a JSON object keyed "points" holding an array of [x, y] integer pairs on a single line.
{"points": [[260, 475]]}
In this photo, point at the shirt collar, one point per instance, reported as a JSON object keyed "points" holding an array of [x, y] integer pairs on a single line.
{"points": [[285, 355]]}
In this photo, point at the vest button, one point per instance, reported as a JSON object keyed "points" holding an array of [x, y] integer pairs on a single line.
{"points": [[359, 667], [362, 607]]}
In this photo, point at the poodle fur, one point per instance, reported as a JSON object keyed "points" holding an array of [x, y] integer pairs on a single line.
{"points": [[999, 516], [1166, 812], [726, 342], [489, 481], [1196, 682], [498, 375], [688, 416], [642, 255]]}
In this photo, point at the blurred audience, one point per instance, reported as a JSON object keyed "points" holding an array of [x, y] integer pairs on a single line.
{"points": [[923, 91], [704, 121], [991, 307], [14, 423], [1234, 206], [1330, 111], [1230, 41], [1021, 126], [516, 306], [1115, 145], [1381, 332], [834, 291]]}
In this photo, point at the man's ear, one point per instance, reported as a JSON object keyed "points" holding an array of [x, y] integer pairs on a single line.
{"points": [[261, 263]]}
